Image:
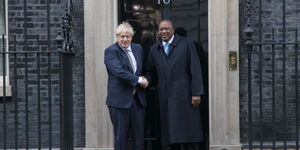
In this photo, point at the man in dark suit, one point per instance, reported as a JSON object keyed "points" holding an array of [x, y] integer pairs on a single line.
{"points": [[174, 63], [126, 98]]}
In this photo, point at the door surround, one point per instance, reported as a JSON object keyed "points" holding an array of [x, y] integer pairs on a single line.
{"points": [[223, 84], [100, 22]]}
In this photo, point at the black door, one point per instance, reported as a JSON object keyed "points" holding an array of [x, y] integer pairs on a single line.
{"points": [[190, 18]]}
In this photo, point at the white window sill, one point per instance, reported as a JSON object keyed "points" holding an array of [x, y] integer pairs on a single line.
{"points": [[7, 89]]}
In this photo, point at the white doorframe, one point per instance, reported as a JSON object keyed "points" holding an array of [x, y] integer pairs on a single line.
{"points": [[223, 84]]}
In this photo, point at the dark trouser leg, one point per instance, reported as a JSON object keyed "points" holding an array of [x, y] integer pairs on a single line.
{"points": [[138, 123], [120, 119], [175, 147], [191, 146], [185, 146]]}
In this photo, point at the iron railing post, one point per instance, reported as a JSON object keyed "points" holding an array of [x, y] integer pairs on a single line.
{"points": [[65, 42], [248, 32], [66, 96]]}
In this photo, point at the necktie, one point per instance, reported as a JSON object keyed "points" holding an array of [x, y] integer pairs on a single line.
{"points": [[130, 60], [167, 49], [131, 65]]}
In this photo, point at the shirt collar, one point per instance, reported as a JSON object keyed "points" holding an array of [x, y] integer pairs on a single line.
{"points": [[128, 48], [170, 41]]}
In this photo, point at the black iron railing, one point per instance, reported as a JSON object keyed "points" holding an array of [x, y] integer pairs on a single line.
{"points": [[39, 83], [273, 93], [36, 102]]}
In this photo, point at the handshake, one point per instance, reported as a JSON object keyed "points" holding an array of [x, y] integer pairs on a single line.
{"points": [[143, 82]]}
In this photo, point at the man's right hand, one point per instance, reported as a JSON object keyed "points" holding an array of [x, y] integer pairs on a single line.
{"points": [[144, 82]]}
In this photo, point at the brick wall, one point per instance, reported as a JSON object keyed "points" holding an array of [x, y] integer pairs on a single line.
{"points": [[37, 40], [272, 18]]}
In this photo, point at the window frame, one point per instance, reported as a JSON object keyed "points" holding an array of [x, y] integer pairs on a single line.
{"points": [[7, 86]]}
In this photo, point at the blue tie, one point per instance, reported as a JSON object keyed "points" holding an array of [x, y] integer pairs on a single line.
{"points": [[167, 50]]}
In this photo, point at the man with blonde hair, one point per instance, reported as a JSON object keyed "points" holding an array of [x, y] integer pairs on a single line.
{"points": [[125, 96]]}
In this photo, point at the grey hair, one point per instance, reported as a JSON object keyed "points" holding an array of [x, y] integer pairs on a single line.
{"points": [[124, 27]]}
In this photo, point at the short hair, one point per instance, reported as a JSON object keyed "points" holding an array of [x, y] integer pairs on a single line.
{"points": [[123, 28], [166, 20]]}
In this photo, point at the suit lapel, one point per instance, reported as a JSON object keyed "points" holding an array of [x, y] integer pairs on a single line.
{"points": [[123, 57], [170, 60], [173, 46]]}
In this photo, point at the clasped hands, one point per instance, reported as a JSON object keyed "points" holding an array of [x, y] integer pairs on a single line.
{"points": [[143, 82]]}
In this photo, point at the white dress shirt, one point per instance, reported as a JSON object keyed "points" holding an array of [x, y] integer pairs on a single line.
{"points": [[133, 61], [132, 58], [170, 41]]}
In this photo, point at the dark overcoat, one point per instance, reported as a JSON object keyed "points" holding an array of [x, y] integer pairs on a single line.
{"points": [[178, 78]]}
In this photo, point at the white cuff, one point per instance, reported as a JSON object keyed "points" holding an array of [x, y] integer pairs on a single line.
{"points": [[140, 80]]}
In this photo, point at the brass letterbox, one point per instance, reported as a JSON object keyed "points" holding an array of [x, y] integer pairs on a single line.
{"points": [[233, 61]]}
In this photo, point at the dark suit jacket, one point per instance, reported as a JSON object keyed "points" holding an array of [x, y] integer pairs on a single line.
{"points": [[121, 80]]}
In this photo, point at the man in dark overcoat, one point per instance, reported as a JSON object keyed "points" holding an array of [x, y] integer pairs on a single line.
{"points": [[173, 62]]}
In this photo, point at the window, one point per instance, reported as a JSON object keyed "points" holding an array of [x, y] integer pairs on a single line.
{"points": [[3, 45], [3, 31]]}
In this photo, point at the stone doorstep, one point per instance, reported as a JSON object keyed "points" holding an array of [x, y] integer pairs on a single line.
{"points": [[270, 149]]}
